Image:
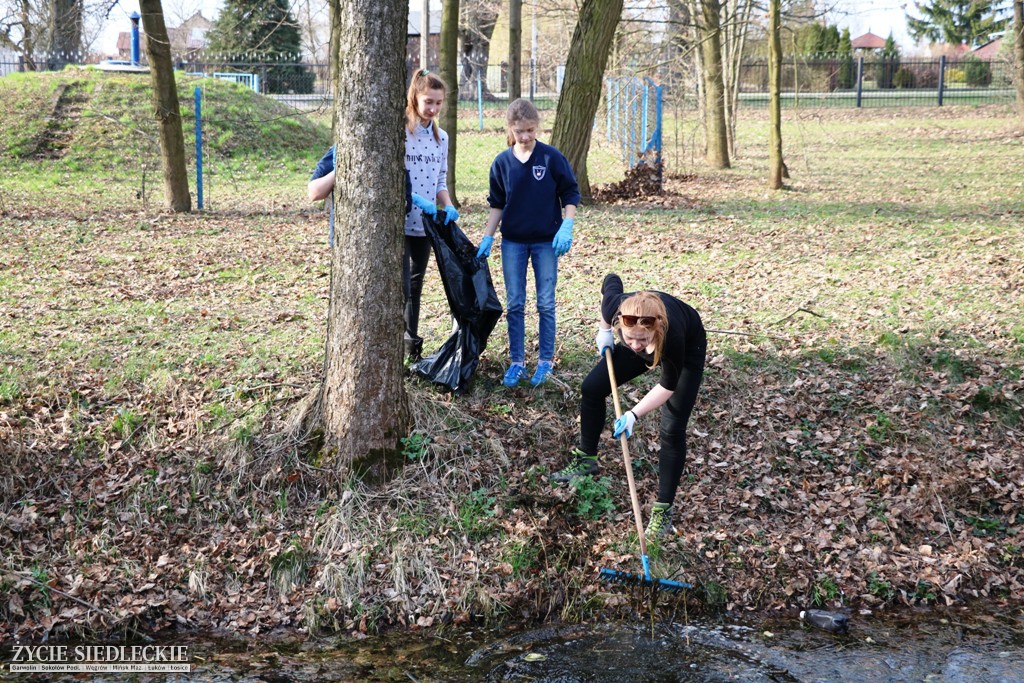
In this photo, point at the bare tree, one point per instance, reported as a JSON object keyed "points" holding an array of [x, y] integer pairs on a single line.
{"points": [[735, 28], [66, 27], [449, 73], [774, 104], [362, 405], [515, 48], [717, 152], [478, 19], [581, 89], [166, 107], [315, 28]]}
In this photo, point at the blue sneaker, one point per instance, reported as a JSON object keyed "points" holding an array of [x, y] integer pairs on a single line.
{"points": [[513, 375], [543, 372]]}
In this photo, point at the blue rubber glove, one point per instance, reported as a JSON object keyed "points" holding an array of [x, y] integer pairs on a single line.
{"points": [[450, 214], [485, 246], [624, 425], [563, 238], [605, 340], [429, 208]]}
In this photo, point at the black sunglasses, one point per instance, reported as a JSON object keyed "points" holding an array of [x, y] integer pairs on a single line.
{"points": [[646, 321]]}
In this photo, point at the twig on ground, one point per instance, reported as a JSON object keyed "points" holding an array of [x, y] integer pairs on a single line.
{"points": [[945, 519], [750, 334], [800, 310]]}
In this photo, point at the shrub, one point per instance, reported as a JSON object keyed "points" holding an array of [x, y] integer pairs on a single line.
{"points": [[977, 73], [904, 78]]}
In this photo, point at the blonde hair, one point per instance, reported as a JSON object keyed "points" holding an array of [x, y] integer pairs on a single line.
{"points": [[644, 304], [421, 82], [519, 110]]}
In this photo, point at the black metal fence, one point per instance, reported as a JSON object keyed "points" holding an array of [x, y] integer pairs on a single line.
{"points": [[833, 82], [880, 82]]}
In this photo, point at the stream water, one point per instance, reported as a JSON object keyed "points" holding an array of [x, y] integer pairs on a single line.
{"points": [[956, 646]]}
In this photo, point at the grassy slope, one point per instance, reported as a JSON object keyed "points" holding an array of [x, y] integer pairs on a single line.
{"points": [[858, 442]]}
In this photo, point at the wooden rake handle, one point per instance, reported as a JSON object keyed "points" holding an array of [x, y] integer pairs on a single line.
{"points": [[625, 455]]}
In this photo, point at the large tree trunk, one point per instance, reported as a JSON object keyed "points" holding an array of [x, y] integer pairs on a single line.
{"points": [[1018, 54], [774, 103], [717, 153], [477, 27], [66, 29], [168, 111], [515, 49], [449, 73], [581, 88], [362, 405]]}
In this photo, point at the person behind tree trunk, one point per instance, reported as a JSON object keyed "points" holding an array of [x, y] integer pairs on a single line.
{"points": [[656, 329], [321, 186], [531, 185]]}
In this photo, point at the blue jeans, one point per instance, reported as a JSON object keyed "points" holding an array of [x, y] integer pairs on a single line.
{"points": [[514, 257]]}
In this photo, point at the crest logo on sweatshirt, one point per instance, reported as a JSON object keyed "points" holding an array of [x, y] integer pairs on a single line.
{"points": [[539, 171]]}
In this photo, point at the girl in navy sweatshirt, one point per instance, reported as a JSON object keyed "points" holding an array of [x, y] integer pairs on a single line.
{"points": [[533, 195]]}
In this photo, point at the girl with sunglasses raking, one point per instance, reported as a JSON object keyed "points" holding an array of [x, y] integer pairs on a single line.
{"points": [[656, 330]]}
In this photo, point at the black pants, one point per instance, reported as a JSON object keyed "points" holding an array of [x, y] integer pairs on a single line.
{"points": [[675, 413], [415, 258]]}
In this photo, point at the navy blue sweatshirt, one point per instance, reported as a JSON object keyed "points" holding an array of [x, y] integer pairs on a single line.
{"points": [[531, 194]]}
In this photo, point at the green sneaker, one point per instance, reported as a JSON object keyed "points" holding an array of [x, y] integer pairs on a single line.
{"points": [[660, 524], [580, 466]]}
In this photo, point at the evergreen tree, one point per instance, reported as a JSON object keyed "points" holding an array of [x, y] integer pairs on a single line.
{"points": [[262, 32], [847, 70], [888, 64], [956, 21]]}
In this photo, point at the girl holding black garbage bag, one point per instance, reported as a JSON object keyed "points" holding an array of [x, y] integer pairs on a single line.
{"points": [[656, 329]]}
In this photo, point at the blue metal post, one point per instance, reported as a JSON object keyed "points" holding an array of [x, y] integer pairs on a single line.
{"points": [[480, 98], [643, 138], [860, 80], [634, 99], [942, 77], [199, 147], [135, 16]]}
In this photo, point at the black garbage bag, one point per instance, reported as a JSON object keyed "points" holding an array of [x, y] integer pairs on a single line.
{"points": [[474, 305]]}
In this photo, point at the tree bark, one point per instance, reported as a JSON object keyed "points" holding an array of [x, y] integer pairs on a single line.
{"points": [[1018, 54], [581, 88], [774, 102], [362, 405], [477, 27], [515, 49], [66, 28], [717, 154], [449, 73], [167, 109]]}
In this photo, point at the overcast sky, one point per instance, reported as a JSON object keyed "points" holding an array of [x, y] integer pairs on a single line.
{"points": [[878, 16]]}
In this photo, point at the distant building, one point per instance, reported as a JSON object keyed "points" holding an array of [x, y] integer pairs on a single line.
{"points": [[187, 40], [989, 52], [952, 51], [868, 42], [413, 37]]}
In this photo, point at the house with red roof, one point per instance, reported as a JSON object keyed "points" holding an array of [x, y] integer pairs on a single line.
{"points": [[867, 42], [989, 52]]}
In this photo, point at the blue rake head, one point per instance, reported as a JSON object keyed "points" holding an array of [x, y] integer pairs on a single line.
{"points": [[627, 579]]}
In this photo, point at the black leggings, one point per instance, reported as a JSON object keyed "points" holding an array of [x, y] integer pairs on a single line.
{"points": [[415, 259], [675, 413]]}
